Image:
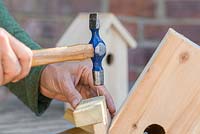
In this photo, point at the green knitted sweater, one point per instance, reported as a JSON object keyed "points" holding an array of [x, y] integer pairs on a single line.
{"points": [[27, 90]]}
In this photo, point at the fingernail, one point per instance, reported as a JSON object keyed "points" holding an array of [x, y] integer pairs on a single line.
{"points": [[75, 102]]}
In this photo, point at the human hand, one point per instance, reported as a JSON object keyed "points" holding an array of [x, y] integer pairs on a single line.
{"points": [[72, 82], [15, 58]]}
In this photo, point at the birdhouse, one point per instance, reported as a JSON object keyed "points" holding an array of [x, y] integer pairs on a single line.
{"points": [[117, 40]]}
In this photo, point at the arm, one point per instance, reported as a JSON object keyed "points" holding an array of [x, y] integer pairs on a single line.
{"points": [[27, 90], [67, 81]]}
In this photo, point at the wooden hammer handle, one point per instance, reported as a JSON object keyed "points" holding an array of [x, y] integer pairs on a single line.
{"points": [[60, 54]]}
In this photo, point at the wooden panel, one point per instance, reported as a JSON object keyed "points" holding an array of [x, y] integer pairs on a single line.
{"points": [[116, 48], [167, 93]]}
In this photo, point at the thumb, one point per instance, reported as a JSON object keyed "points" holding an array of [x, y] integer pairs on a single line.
{"points": [[72, 94]]}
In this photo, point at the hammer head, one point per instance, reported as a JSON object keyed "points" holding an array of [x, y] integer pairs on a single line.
{"points": [[99, 49], [94, 21]]}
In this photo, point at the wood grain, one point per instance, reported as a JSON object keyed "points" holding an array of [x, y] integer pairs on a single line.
{"points": [[167, 92], [91, 115], [90, 111], [60, 54]]}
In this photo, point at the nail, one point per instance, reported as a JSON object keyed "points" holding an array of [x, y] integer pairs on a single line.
{"points": [[75, 102]]}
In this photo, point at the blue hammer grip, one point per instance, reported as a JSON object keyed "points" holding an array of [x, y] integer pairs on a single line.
{"points": [[99, 50]]}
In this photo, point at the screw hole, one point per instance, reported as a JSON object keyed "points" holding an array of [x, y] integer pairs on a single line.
{"points": [[154, 129], [109, 59]]}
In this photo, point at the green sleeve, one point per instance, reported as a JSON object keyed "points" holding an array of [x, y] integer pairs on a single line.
{"points": [[27, 90]]}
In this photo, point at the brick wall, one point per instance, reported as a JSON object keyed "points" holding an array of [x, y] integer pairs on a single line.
{"points": [[146, 20], [149, 20]]}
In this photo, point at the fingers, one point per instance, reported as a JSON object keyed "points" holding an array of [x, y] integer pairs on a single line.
{"points": [[83, 91], [88, 80], [110, 103], [69, 90], [9, 61], [15, 59], [25, 60], [59, 83], [24, 55], [86, 92]]}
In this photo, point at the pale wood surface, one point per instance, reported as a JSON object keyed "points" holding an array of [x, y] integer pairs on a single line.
{"points": [[70, 118], [167, 92], [91, 115], [90, 111], [102, 128], [60, 54], [117, 71]]}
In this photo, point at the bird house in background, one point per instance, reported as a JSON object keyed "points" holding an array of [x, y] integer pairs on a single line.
{"points": [[117, 40]]}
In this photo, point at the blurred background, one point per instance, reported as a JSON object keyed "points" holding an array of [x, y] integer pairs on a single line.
{"points": [[146, 20]]}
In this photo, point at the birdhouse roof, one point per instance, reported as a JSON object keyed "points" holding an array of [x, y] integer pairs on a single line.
{"points": [[80, 26]]}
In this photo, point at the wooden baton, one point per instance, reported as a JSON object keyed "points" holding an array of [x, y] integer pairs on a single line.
{"points": [[60, 54]]}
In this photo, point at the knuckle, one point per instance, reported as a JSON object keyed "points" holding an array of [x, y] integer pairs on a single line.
{"points": [[26, 56], [28, 51], [72, 97], [52, 68], [17, 71], [71, 94], [14, 72], [87, 69]]}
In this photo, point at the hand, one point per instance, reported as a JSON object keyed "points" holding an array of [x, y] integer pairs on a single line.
{"points": [[72, 82], [15, 58]]}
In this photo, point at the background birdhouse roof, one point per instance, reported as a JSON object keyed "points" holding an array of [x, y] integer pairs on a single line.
{"points": [[79, 29]]}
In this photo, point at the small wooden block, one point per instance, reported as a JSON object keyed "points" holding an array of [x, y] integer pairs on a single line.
{"points": [[90, 111], [91, 116], [69, 116]]}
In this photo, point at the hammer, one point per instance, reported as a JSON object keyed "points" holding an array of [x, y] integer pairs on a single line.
{"points": [[96, 50]]}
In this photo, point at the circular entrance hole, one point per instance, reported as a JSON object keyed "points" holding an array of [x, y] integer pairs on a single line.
{"points": [[154, 129], [109, 59]]}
